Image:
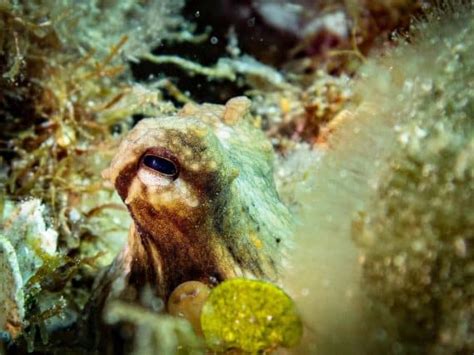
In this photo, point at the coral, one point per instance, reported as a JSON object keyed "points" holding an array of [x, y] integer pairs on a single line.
{"points": [[250, 315]]}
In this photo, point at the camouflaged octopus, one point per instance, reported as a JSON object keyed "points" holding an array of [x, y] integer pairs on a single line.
{"points": [[199, 187]]}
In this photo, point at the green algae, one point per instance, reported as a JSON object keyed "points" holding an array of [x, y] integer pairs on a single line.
{"points": [[65, 96], [387, 228], [416, 233], [250, 315]]}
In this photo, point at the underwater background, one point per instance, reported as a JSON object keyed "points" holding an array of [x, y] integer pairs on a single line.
{"points": [[354, 152]]}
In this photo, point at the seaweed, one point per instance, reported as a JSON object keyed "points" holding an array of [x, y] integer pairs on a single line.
{"points": [[416, 233], [387, 227], [65, 97]]}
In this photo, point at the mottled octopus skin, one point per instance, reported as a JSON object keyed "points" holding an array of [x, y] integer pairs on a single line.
{"points": [[220, 218]]}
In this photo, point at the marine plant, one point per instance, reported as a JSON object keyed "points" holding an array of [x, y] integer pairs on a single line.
{"points": [[65, 96], [397, 177]]}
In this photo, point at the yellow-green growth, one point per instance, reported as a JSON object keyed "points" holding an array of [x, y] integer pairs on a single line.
{"points": [[250, 315], [398, 171], [416, 233]]}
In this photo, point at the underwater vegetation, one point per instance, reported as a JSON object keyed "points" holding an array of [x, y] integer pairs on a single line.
{"points": [[397, 179], [416, 232], [62, 100], [339, 195]]}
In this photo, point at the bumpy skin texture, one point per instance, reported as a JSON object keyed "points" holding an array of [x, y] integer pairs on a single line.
{"points": [[219, 218]]}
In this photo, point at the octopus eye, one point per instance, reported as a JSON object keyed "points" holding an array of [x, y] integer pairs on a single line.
{"points": [[162, 165]]}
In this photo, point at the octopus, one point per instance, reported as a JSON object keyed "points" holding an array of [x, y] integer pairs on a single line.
{"points": [[199, 187]]}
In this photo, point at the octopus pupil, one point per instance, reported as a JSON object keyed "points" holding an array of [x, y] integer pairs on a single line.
{"points": [[162, 165]]}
